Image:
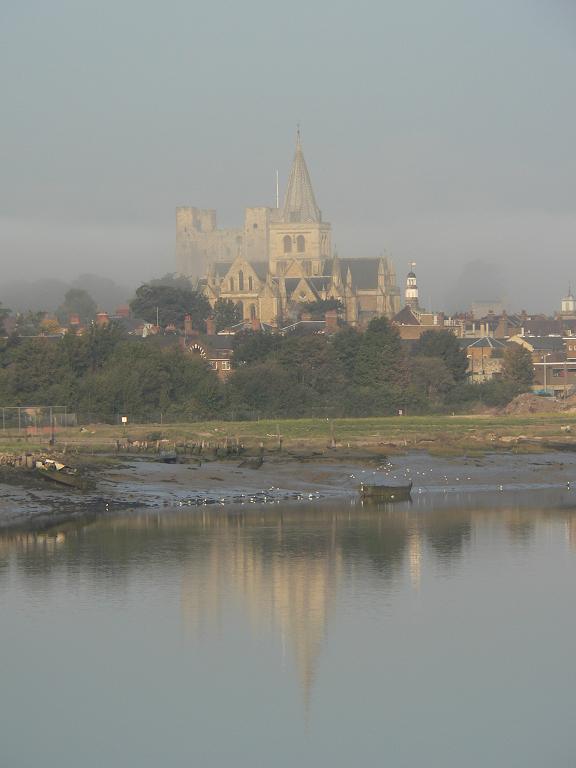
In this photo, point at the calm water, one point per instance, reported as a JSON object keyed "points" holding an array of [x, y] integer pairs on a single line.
{"points": [[440, 633]]}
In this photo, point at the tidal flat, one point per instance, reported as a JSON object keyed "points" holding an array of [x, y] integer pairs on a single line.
{"points": [[141, 483]]}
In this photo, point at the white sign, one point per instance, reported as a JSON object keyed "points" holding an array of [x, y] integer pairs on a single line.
{"points": [[124, 419]]}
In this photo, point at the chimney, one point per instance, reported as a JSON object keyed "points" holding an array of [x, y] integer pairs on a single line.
{"points": [[331, 320], [256, 324], [187, 325], [210, 326]]}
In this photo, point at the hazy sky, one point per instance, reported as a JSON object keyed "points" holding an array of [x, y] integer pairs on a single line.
{"points": [[441, 131]]}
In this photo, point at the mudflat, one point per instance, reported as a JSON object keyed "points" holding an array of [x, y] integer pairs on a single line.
{"points": [[144, 483]]}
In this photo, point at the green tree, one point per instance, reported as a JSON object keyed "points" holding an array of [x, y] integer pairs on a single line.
{"points": [[226, 313], [431, 377], [380, 359], [265, 389], [517, 367], [77, 302], [3, 315], [255, 346], [317, 309], [172, 304], [443, 344], [29, 323], [346, 344]]}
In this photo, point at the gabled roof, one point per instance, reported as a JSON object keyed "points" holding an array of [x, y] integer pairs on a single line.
{"points": [[221, 268], [406, 317], [261, 268], [319, 283], [487, 342], [304, 326], [540, 327], [300, 203], [549, 343]]}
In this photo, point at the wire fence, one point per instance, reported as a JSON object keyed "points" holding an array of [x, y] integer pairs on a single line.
{"points": [[36, 419]]}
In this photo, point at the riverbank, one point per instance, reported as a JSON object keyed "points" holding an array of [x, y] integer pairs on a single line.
{"points": [[440, 435], [140, 483]]}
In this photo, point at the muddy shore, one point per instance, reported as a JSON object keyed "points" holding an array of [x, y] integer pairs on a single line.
{"points": [[143, 483]]}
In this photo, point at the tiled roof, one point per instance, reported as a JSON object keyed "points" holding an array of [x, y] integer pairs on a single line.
{"points": [[406, 317]]}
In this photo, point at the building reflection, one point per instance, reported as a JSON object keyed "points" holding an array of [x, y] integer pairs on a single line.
{"points": [[282, 585], [285, 567]]}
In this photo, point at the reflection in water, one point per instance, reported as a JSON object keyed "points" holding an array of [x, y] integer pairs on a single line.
{"points": [[285, 566]]}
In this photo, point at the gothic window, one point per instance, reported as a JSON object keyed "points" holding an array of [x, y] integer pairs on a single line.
{"points": [[301, 243], [250, 283], [231, 285], [252, 312], [240, 280], [287, 244]]}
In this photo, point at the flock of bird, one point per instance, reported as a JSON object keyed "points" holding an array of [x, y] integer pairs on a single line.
{"points": [[270, 496]]}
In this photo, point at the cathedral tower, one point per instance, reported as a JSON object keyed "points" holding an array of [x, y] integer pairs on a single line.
{"points": [[300, 240]]}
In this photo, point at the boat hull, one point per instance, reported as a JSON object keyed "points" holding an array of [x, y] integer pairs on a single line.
{"points": [[386, 492]]}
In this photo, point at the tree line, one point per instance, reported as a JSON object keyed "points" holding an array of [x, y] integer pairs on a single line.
{"points": [[105, 373]]}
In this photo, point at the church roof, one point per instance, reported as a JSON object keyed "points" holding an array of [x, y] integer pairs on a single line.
{"points": [[300, 203], [364, 271], [261, 268], [320, 283], [221, 268]]}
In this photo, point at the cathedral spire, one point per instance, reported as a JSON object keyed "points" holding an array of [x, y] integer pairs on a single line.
{"points": [[300, 203]]}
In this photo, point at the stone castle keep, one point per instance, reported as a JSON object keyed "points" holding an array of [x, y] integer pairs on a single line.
{"points": [[281, 258]]}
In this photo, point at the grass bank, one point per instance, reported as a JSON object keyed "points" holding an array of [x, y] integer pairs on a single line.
{"points": [[441, 435]]}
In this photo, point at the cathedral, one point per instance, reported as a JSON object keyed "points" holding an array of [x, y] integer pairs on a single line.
{"points": [[281, 259]]}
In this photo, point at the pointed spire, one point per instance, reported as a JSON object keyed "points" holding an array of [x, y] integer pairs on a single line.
{"points": [[300, 203]]}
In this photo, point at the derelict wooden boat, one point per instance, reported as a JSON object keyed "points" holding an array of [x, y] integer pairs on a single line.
{"points": [[382, 492], [65, 478], [167, 457]]}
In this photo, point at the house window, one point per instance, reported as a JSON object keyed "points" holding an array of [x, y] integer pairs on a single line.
{"points": [[240, 280], [225, 365], [254, 226], [252, 312], [214, 365], [250, 283], [301, 243], [287, 244]]}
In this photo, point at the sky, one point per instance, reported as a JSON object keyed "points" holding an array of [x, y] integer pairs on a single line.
{"points": [[442, 133]]}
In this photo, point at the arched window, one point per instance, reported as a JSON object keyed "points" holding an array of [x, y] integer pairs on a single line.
{"points": [[252, 312], [301, 243], [240, 280], [240, 309], [287, 244], [232, 285], [250, 283]]}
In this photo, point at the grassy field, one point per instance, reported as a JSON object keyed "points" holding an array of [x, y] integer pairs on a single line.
{"points": [[438, 434]]}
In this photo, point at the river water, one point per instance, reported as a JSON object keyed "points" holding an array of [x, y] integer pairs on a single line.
{"points": [[437, 633]]}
